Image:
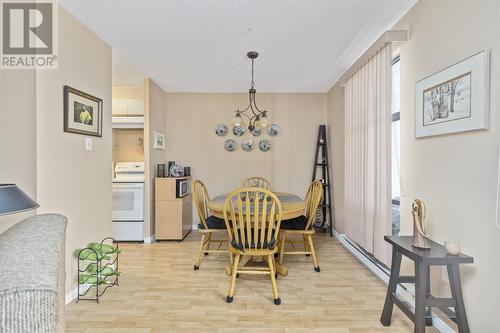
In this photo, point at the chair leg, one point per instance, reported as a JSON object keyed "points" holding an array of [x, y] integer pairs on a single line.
{"points": [[282, 247], [208, 243], [272, 273], [202, 242], [313, 252], [306, 247], [230, 294]]}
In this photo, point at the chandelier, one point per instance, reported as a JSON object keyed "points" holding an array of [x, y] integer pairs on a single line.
{"points": [[256, 118]]}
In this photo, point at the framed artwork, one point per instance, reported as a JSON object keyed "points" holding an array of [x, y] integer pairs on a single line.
{"points": [[454, 99], [159, 141], [82, 113]]}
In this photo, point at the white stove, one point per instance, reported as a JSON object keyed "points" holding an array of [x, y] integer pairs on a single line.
{"points": [[128, 201], [129, 172]]}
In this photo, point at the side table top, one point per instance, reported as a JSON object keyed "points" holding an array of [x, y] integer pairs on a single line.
{"points": [[435, 255]]}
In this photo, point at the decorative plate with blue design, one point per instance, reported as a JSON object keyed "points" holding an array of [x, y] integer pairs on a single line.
{"points": [[230, 145]]}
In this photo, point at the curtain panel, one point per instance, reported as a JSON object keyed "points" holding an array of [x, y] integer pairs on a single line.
{"points": [[367, 202]]}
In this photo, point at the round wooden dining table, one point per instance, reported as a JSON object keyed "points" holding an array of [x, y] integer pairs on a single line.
{"points": [[292, 206]]}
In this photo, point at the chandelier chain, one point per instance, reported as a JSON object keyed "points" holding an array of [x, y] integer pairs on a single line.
{"points": [[253, 83]]}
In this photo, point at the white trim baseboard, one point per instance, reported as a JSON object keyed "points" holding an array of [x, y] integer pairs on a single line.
{"points": [[149, 240], [383, 275], [71, 296]]}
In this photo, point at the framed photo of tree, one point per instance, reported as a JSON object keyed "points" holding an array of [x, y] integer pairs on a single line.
{"points": [[454, 99], [82, 113]]}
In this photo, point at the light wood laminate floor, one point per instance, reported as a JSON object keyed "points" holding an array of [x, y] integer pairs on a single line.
{"points": [[160, 292]]}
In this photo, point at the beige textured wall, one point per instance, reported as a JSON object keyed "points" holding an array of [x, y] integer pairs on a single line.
{"points": [[70, 180], [335, 120], [18, 135], [128, 145], [455, 174], [191, 139], [154, 120], [134, 92]]}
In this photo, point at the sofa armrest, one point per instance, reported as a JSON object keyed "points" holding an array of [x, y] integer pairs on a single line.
{"points": [[32, 275]]}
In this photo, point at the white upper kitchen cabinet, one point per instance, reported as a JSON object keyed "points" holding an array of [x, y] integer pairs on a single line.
{"points": [[127, 107], [135, 107]]}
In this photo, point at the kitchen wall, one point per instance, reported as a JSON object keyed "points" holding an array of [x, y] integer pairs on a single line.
{"points": [[18, 135], [154, 121], [133, 92], [455, 174], [191, 139], [335, 120], [70, 180], [128, 145]]}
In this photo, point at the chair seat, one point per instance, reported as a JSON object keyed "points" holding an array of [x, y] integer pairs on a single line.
{"points": [[297, 223], [239, 245], [213, 223]]}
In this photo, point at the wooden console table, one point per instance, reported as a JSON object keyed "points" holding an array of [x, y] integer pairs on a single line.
{"points": [[424, 301]]}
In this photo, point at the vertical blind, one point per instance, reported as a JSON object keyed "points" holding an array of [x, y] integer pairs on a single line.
{"points": [[368, 155]]}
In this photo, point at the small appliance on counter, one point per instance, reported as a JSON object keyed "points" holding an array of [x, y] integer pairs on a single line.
{"points": [[182, 187], [128, 201]]}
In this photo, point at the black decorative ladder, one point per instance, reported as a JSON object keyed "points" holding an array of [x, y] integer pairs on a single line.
{"points": [[323, 163]]}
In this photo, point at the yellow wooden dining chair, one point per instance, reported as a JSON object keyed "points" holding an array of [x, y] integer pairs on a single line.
{"points": [[303, 225], [257, 182], [253, 218], [209, 224]]}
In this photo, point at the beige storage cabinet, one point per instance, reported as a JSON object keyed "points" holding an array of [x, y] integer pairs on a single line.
{"points": [[173, 216]]}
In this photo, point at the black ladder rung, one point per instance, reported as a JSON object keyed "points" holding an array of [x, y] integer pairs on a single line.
{"points": [[325, 205], [318, 164]]}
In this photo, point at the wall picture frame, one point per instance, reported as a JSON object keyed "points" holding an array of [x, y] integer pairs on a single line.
{"points": [[82, 112], [455, 99], [159, 142]]}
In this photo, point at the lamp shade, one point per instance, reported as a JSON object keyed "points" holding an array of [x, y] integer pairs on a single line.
{"points": [[14, 200]]}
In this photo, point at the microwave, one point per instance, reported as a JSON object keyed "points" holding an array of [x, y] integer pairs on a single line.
{"points": [[182, 187]]}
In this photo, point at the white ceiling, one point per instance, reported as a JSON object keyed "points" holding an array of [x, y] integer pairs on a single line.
{"points": [[201, 46]]}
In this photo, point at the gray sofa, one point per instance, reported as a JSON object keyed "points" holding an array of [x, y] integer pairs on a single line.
{"points": [[32, 275]]}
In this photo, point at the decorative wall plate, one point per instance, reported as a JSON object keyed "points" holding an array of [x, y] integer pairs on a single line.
{"points": [[230, 145], [256, 131], [221, 129], [177, 170], [238, 130], [273, 130], [264, 145], [247, 145]]}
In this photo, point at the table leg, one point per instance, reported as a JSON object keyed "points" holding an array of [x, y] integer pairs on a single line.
{"points": [[456, 293], [428, 294], [421, 276], [281, 269], [386, 316]]}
